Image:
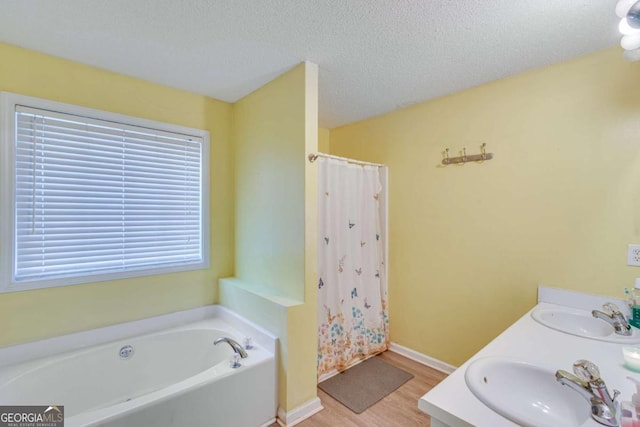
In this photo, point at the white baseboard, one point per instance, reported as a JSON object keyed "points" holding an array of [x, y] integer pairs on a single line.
{"points": [[422, 358], [299, 414]]}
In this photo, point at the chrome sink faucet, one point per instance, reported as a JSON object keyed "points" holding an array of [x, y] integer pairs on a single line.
{"points": [[614, 317], [587, 382]]}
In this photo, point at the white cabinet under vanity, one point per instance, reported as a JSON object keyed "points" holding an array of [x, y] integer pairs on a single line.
{"points": [[512, 380]]}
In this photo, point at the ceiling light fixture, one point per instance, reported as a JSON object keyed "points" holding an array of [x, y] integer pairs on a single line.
{"points": [[629, 12]]}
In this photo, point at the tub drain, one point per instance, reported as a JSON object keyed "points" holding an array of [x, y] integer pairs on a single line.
{"points": [[126, 352]]}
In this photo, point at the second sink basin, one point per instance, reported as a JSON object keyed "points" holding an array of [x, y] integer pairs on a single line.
{"points": [[581, 323], [524, 393]]}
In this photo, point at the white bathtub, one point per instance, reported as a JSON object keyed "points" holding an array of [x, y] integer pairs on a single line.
{"points": [[175, 376]]}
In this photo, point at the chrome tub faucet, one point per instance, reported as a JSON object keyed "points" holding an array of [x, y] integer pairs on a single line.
{"points": [[614, 317], [587, 382], [237, 348]]}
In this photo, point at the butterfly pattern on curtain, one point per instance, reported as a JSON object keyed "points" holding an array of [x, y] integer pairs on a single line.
{"points": [[353, 318]]}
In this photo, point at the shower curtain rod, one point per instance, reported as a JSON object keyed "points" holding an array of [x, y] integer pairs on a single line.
{"points": [[313, 157]]}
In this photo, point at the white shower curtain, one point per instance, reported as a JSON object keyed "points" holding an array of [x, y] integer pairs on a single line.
{"points": [[352, 291]]}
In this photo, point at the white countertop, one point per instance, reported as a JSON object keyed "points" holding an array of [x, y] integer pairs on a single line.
{"points": [[452, 403]]}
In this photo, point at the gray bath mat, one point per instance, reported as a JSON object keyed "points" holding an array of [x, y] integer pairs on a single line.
{"points": [[361, 386]]}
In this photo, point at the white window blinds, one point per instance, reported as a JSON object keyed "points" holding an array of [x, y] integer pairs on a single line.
{"points": [[94, 196]]}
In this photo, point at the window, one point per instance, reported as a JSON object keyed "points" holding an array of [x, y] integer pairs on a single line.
{"points": [[90, 196]]}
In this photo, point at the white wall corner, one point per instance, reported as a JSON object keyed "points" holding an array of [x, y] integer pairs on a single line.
{"points": [[299, 414], [422, 358]]}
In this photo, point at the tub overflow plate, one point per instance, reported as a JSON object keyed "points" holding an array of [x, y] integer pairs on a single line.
{"points": [[126, 352]]}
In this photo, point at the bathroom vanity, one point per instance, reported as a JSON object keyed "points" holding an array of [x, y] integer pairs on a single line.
{"points": [[515, 373]]}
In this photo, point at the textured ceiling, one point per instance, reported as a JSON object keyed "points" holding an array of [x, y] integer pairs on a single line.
{"points": [[374, 55]]}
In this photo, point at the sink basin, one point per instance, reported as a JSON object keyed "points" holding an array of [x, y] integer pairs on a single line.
{"points": [[581, 323], [524, 393]]}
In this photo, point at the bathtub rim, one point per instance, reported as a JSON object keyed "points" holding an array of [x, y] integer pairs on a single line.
{"points": [[48, 347], [12, 373]]}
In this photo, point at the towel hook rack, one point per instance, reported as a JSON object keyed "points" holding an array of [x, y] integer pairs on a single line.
{"points": [[465, 158]]}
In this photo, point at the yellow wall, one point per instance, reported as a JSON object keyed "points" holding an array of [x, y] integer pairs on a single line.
{"points": [[303, 318], [269, 184], [324, 139], [557, 206], [42, 313], [275, 128]]}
